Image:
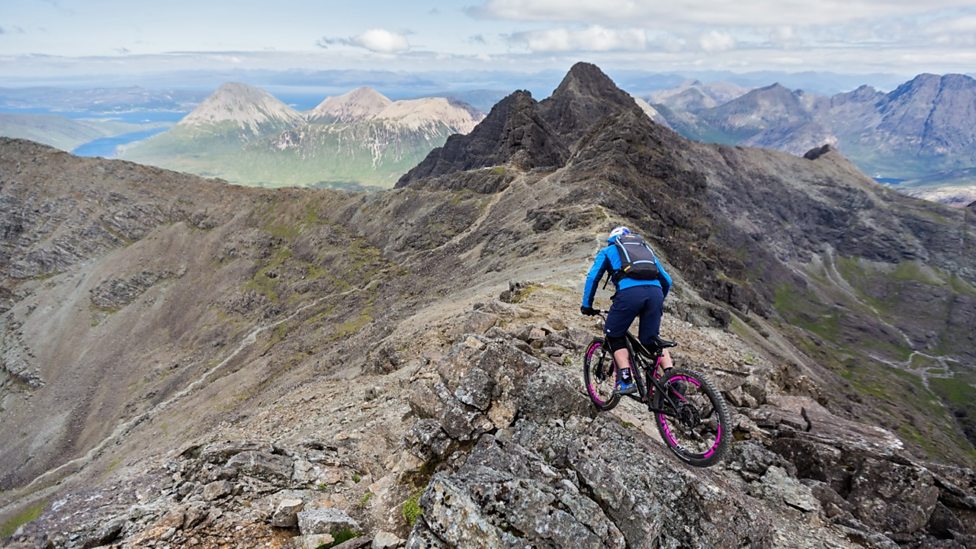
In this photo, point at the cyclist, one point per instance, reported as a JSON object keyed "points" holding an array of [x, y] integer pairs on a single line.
{"points": [[642, 284]]}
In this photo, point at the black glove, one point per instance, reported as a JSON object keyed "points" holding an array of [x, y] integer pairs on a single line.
{"points": [[589, 311]]}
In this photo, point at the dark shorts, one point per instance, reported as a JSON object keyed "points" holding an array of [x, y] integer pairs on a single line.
{"points": [[644, 301]]}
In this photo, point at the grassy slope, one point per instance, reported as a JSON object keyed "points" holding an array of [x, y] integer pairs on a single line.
{"points": [[316, 155], [937, 416]]}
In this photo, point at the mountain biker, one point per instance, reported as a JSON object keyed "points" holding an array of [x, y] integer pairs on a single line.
{"points": [[640, 292]]}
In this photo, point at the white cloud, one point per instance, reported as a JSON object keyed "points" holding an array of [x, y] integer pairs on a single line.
{"points": [[714, 12], [380, 40], [375, 40], [592, 38], [715, 41]]}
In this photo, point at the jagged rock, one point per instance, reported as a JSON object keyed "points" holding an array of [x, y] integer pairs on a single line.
{"points": [[216, 490], [286, 513], [738, 397], [475, 389], [814, 460], [478, 322], [751, 460], [427, 440], [513, 132], [262, 465], [104, 535], [817, 152], [324, 521], [891, 497], [776, 483]]}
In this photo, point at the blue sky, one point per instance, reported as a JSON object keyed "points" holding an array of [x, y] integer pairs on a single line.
{"points": [[66, 37]]}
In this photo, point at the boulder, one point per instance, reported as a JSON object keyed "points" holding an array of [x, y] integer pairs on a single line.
{"points": [[286, 513], [324, 521]]}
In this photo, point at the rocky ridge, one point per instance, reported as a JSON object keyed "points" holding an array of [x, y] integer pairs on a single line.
{"points": [[464, 420]]}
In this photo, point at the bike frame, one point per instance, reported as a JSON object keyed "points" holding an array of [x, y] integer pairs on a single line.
{"points": [[663, 403]]}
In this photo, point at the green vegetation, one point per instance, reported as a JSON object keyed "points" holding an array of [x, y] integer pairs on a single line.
{"points": [[220, 152], [364, 501], [411, 509], [356, 477], [27, 515], [353, 326], [264, 284], [340, 536], [800, 308]]}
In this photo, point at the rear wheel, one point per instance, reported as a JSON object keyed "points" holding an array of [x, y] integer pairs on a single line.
{"points": [[697, 429], [598, 376]]}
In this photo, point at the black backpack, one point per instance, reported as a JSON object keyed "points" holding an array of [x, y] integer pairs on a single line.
{"points": [[637, 261]]}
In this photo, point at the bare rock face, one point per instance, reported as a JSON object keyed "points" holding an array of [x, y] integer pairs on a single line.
{"points": [[117, 293], [527, 134], [513, 132]]}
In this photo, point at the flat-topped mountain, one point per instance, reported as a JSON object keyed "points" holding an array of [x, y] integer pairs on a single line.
{"points": [[355, 106]]}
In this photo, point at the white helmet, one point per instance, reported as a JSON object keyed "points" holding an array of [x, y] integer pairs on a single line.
{"points": [[618, 232]]}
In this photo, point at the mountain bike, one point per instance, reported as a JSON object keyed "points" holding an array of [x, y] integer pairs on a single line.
{"points": [[689, 412]]}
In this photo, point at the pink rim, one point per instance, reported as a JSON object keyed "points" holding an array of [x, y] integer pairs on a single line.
{"points": [[667, 429]]}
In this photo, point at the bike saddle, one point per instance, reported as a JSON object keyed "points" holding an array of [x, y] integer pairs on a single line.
{"points": [[662, 343]]}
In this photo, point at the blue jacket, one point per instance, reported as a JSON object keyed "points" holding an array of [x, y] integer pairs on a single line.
{"points": [[609, 260]]}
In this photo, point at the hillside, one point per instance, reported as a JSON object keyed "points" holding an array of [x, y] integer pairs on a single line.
{"points": [[224, 352], [244, 135]]}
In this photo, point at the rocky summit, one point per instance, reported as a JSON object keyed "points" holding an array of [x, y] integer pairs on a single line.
{"points": [[192, 364]]}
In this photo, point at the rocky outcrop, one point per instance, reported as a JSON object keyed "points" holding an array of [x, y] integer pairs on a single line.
{"points": [[118, 292]]}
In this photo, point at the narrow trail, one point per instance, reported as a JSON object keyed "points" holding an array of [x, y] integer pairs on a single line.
{"points": [[923, 372], [128, 425]]}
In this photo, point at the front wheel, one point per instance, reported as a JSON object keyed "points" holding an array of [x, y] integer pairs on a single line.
{"points": [[697, 427], [599, 377]]}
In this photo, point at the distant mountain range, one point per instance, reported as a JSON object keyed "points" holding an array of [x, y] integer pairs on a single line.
{"points": [[245, 135], [922, 135]]}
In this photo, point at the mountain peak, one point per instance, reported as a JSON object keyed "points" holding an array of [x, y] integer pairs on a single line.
{"points": [[358, 104], [585, 96], [527, 134], [586, 79], [243, 105], [514, 132]]}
